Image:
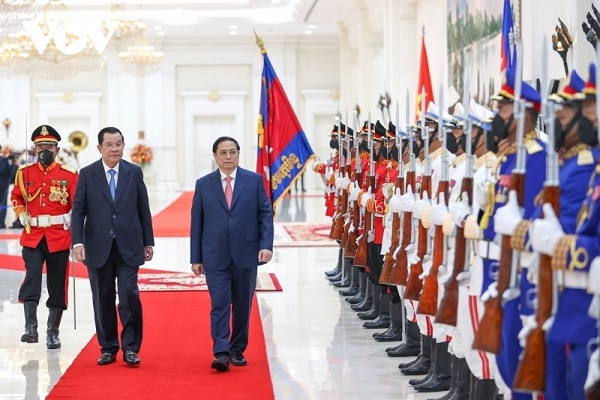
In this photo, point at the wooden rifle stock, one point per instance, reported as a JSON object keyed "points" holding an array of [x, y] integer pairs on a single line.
{"points": [[429, 295], [531, 372], [414, 283], [399, 274], [489, 334], [593, 393], [361, 252], [338, 230], [350, 248], [388, 262], [448, 309]]}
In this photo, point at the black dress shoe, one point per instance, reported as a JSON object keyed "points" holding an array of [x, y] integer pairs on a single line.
{"points": [[107, 358], [131, 358], [221, 362], [238, 360]]}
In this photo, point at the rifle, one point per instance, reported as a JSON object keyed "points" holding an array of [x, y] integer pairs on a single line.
{"points": [[351, 247], [388, 262], [342, 196], [429, 295], [448, 309], [361, 252], [399, 275], [344, 241], [531, 372], [489, 334], [415, 283]]}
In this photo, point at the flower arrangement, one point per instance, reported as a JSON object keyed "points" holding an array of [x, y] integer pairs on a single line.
{"points": [[142, 154]]}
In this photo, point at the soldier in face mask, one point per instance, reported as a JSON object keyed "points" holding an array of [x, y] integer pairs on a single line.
{"points": [[42, 198]]}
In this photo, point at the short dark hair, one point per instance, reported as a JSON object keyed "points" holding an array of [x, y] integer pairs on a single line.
{"points": [[108, 129], [224, 139]]}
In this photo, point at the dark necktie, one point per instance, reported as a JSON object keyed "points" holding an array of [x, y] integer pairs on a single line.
{"points": [[111, 184]]}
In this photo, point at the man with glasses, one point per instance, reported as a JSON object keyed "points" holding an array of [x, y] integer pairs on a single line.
{"points": [[42, 199], [112, 235], [231, 234]]}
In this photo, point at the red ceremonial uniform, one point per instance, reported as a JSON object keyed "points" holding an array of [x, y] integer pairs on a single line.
{"points": [[50, 193]]}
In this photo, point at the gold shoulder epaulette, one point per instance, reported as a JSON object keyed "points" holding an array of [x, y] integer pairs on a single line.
{"points": [[68, 168], [26, 165], [532, 146]]}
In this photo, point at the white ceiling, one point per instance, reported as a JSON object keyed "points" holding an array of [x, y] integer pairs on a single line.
{"points": [[215, 18]]}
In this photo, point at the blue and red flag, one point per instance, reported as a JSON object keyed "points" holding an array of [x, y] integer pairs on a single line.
{"points": [[283, 150], [507, 52]]}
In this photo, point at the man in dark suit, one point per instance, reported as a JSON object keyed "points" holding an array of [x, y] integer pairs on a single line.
{"points": [[5, 172], [231, 234], [112, 235]]}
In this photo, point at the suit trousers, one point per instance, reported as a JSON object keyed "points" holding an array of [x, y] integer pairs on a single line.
{"points": [[57, 279], [231, 293], [102, 282]]}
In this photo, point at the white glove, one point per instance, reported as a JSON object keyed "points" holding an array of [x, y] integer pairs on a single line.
{"points": [[480, 192], [419, 206], [354, 191], [25, 218], [460, 210], [407, 200], [439, 210], [545, 232], [508, 216], [366, 197], [394, 203], [328, 173], [388, 190], [533, 269], [593, 372], [341, 182], [472, 228], [594, 277]]}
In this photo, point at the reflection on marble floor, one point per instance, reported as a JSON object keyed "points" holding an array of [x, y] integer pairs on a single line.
{"points": [[316, 345]]}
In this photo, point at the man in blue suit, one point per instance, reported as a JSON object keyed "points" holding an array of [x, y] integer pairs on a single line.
{"points": [[112, 235], [231, 234]]}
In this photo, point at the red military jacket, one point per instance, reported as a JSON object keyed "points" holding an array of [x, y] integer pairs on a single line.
{"points": [[49, 191]]}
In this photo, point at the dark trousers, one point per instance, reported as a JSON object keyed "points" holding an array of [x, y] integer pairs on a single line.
{"points": [[231, 292], [57, 279], [3, 205], [102, 282], [375, 260]]}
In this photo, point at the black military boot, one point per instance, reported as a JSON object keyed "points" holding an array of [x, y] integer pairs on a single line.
{"points": [[31, 323], [453, 380], [463, 387], [421, 367], [54, 317], [354, 282], [337, 268], [362, 288], [375, 306], [394, 332], [442, 373], [367, 302], [484, 389], [411, 346], [383, 318], [345, 278], [430, 371]]}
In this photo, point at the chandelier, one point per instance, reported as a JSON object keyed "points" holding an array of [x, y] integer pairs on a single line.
{"points": [[12, 12], [127, 27], [141, 58]]}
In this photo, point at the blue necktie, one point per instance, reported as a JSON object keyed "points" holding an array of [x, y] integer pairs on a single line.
{"points": [[111, 184]]}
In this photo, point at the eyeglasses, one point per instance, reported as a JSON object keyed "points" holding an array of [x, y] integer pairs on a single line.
{"points": [[232, 153], [113, 146]]}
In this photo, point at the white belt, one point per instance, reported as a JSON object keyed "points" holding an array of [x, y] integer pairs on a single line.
{"points": [[44, 221], [573, 280], [488, 250]]}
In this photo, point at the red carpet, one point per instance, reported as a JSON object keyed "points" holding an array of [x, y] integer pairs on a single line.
{"points": [[174, 221], [184, 281], [176, 356]]}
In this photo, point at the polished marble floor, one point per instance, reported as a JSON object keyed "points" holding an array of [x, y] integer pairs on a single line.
{"points": [[316, 345]]}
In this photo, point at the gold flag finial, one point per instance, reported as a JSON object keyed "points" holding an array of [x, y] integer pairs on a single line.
{"points": [[260, 43]]}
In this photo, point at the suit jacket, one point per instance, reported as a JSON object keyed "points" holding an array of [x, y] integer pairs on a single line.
{"points": [[218, 234], [97, 218]]}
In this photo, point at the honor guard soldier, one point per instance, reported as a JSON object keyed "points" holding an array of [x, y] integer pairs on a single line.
{"points": [[42, 198]]}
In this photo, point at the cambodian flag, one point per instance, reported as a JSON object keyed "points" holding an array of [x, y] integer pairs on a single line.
{"points": [[507, 52], [283, 150]]}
